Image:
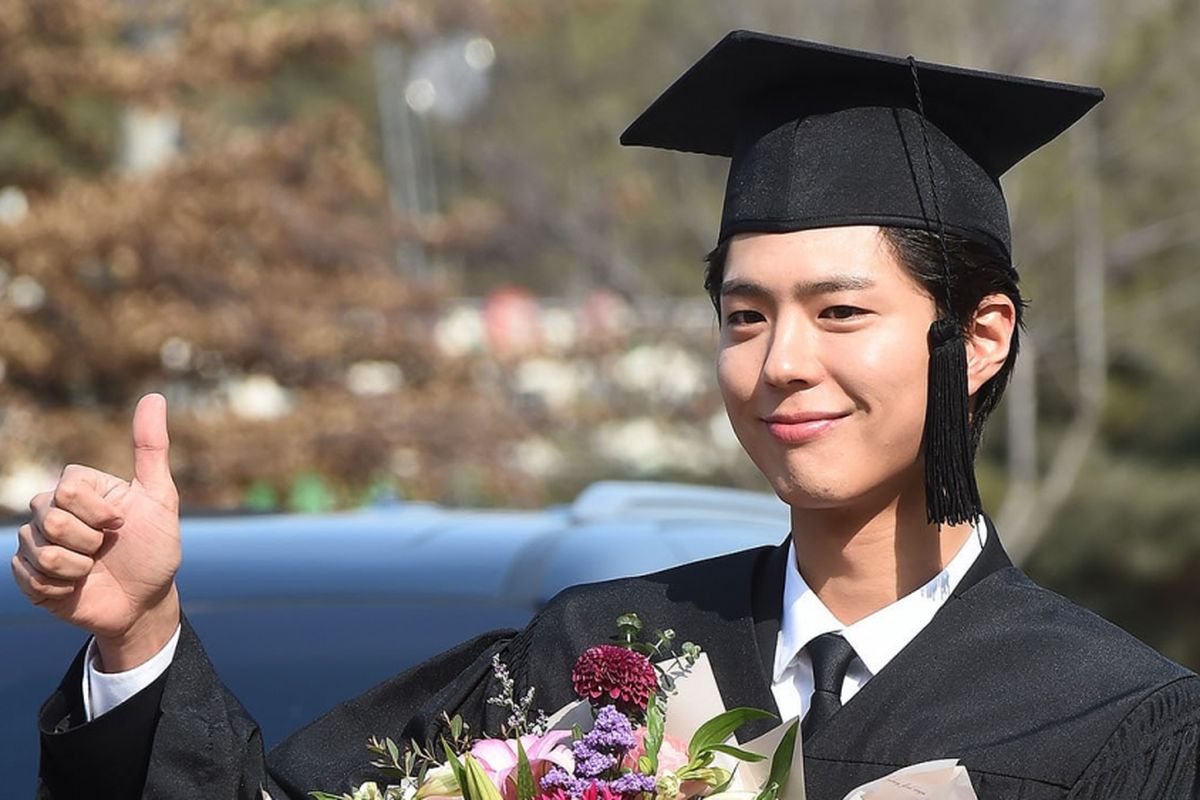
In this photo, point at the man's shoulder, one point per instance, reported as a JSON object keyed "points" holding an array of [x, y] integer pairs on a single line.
{"points": [[678, 597], [683, 583], [1054, 634]]}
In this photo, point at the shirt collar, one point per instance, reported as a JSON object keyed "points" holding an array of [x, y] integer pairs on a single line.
{"points": [[878, 637]]}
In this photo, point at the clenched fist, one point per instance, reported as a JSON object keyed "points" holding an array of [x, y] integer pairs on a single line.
{"points": [[101, 553]]}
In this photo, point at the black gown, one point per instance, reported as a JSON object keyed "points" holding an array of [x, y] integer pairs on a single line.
{"points": [[1039, 698]]}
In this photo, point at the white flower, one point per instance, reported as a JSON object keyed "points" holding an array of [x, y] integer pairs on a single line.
{"points": [[368, 791], [667, 786]]}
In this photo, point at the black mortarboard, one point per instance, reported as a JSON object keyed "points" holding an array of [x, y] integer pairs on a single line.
{"points": [[822, 136]]}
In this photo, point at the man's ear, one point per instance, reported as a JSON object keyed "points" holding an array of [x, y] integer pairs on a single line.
{"points": [[988, 339]]}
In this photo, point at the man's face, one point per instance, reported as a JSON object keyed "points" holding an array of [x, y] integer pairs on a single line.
{"points": [[822, 363]]}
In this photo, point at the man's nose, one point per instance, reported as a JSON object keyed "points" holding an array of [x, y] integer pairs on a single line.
{"points": [[793, 357]]}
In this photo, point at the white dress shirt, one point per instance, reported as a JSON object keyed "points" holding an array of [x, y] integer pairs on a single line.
{"points": [[104, 691], [876, 638]]}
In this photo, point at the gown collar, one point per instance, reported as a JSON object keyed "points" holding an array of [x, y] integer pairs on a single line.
{"points": [[752, 687]]}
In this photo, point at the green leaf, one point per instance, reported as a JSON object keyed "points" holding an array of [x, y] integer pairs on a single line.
{"points": [[769, 792], [721, 727], [781, 761], [576, 732], [456, 726], [478, 786], [393, 751], [646, 766], [655, 729], [720, 787], [738, 753], [713, 776], [327, 796], [526, 787], [456, 766]]}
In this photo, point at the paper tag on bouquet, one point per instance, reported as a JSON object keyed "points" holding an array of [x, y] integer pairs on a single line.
{"points": [[945, 779]]}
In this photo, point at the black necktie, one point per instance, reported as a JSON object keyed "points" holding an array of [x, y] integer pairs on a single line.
{"points": [[831, 655]]}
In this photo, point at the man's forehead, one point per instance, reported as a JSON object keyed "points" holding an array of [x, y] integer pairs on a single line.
{"points": [[856, 256]]}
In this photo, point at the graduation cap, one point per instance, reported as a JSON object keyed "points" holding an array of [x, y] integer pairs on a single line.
{"points": [[822, 136]]}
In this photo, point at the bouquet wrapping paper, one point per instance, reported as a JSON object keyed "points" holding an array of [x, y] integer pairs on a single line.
{"points": [[697, 700]]}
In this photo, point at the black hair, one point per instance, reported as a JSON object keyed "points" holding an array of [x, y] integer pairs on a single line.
{"points": [[976, 271]]}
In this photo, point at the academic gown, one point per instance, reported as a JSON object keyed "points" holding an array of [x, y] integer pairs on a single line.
{"points": [[1037, 697]]}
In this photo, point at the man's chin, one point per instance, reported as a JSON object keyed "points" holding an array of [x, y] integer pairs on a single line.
{"points": [[804, 495]]}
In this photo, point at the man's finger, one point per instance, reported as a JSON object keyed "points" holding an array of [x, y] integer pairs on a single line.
{"points": [[40, 501], [36, 586], [151, 465], [63, 528], [81, 493], [49, 559]]}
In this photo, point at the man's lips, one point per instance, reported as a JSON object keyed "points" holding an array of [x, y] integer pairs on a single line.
{"points": [[802, 428]]}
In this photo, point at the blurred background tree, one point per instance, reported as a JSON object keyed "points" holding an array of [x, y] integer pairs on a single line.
{"points": [[376, 248]]}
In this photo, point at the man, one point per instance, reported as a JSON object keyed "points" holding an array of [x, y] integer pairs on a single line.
{"points": [[869, 318]]}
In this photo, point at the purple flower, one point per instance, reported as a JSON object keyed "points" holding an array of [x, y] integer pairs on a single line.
{"points": [[632, 783], [598, 757], [593, 763], [612, 731]]}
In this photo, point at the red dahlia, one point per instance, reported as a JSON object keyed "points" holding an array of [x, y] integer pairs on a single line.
{"points": [[607, 674]]}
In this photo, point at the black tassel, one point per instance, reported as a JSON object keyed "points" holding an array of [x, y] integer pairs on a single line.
{"points": [[951, 495]]}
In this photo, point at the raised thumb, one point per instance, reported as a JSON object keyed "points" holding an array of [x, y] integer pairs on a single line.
{"points": [[151, 466]]}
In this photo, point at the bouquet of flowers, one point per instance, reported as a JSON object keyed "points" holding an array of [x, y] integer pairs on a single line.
{"points": [[626, 753]]}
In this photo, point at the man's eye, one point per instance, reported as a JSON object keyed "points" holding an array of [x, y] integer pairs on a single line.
{"points": [[744, 317], [842, 312]]}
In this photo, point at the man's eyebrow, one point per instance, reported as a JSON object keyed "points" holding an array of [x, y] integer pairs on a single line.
{"points": [[739, 287]]}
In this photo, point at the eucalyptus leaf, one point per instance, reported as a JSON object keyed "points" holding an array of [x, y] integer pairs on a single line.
{"points": [[393, 751], [630, 620], [721, 727]]}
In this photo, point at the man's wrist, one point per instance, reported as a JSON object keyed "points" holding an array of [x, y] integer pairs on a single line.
{"points": [[144, 639]]}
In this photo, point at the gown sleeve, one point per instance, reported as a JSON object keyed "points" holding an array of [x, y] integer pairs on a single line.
{"points": [[1154, 754], [186, 736]]}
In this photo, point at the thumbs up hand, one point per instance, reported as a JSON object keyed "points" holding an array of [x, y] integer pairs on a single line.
{"points": [[101, 553]]}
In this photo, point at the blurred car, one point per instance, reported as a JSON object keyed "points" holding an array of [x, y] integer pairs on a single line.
{"points": [[301, 612]]}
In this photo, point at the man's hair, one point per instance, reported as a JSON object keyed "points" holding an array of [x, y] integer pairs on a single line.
{"points": [[976, 271]]}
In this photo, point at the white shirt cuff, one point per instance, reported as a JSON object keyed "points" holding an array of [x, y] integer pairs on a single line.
{"points": [[104, 691]]}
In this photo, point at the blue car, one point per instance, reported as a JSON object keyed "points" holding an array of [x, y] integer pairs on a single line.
{"points": [[301, 612]]}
